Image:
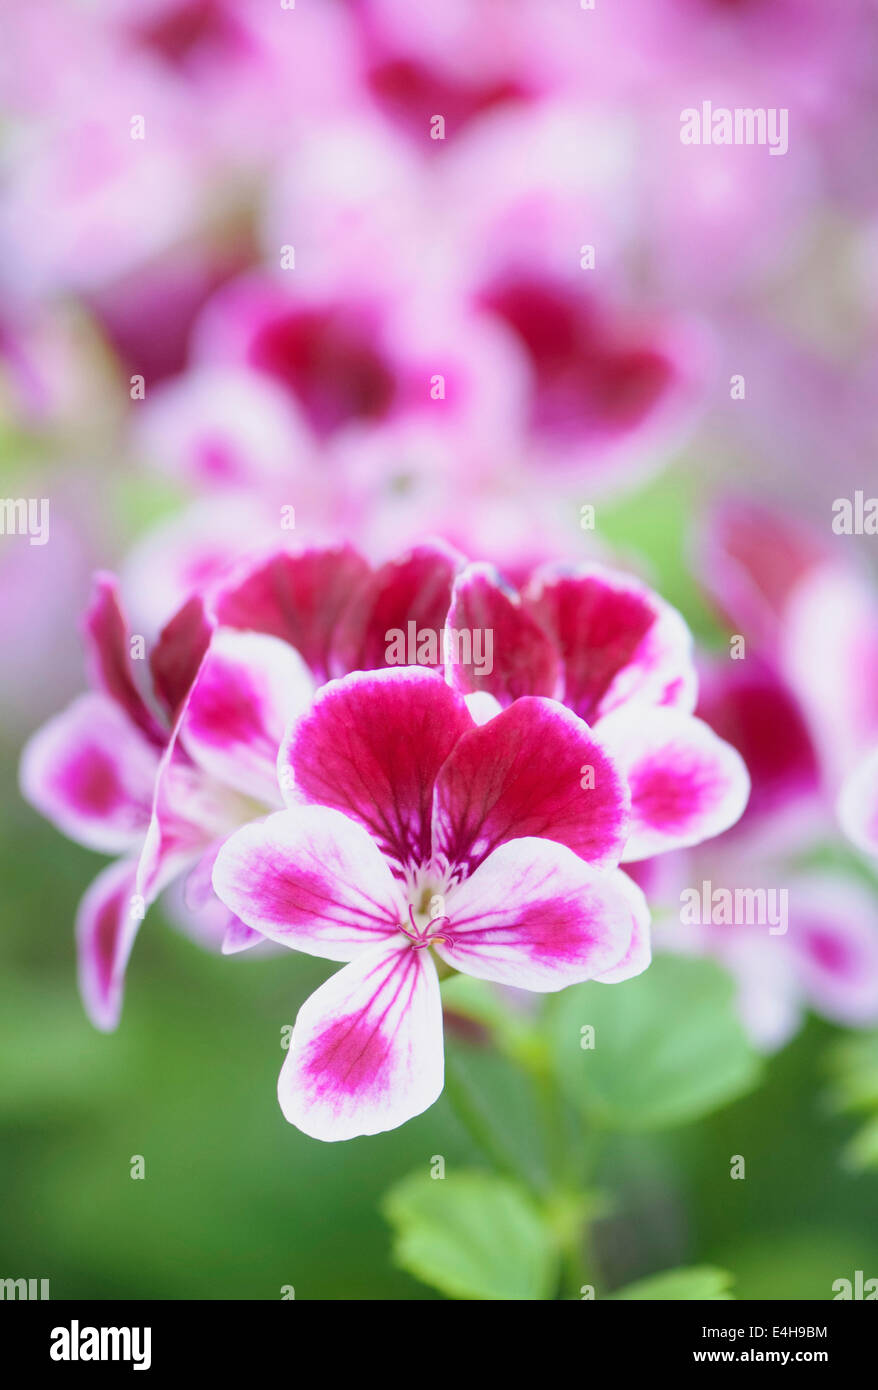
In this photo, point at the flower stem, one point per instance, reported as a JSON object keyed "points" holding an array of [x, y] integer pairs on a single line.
{"points": [[475, 1123]]}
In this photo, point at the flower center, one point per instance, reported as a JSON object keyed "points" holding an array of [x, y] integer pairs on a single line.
{"points": [[426, 935], [428, 923]]}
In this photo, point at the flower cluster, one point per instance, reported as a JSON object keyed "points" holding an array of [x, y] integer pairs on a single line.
{"points": [[401, 819]]}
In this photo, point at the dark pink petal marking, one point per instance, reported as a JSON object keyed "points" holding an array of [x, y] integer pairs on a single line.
{"points": [[686, 784], [248, 689], [310, 879], [109, 657], [91, 772], [415, 588], [332, 360], [833, 936], [372, 747], [535, 916], [300, 599], [535, 769], [618, 641], [754, 711], [524, 659], [588, 379], [366, 1051], [751, 559], [175, 659]]}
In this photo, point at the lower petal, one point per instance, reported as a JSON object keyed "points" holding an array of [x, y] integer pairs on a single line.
{"points": [[535, 916], [366, 1052], [639, 953], [311, 880]]}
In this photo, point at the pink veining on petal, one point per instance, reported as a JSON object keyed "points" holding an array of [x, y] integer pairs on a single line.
{"points": [[534, 769], [372, 747]]}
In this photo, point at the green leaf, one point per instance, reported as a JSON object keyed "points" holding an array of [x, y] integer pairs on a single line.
{"points": [[679, 1285], [668, 1046], [472, 1235]]}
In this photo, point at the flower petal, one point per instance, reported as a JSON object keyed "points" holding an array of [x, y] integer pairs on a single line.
{"points": [[639, 953], [312, 880], [298, 598], [535, 769], [109, 659], [686, 784], [177, 655], [618, 640], [372, 746], [106, 925], [858, 805], [521, 658], [751, 559], [413, 589], [91, 772], [248, 689], [535, 916], [747, 704], [833, 935], [366, 1051], [829, 655]]}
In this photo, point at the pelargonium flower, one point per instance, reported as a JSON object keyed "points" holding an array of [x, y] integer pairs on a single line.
{"points": [[413, 831], [91, 771], [161, 783], [355, 359], [159, 786]]}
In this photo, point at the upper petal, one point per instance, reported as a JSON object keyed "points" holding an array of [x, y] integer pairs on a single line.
{"points": [[686, 784], [534, 769], [366, 1052], [177, 655], [414, 588], [494, 644], [248, 689], [618, 640], [299, 598], [535, 916], [91, 772], [372, 746], [109, 657], [311, 879]]}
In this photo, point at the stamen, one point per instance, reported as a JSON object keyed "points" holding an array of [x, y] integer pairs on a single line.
{"points": [[421, 939]]}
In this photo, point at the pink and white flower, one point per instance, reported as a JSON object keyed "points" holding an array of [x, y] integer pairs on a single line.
{"points": [[159, 783], [411, 830]]}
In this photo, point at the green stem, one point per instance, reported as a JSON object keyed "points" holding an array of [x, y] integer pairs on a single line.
{"points": [[475, 1123]]}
